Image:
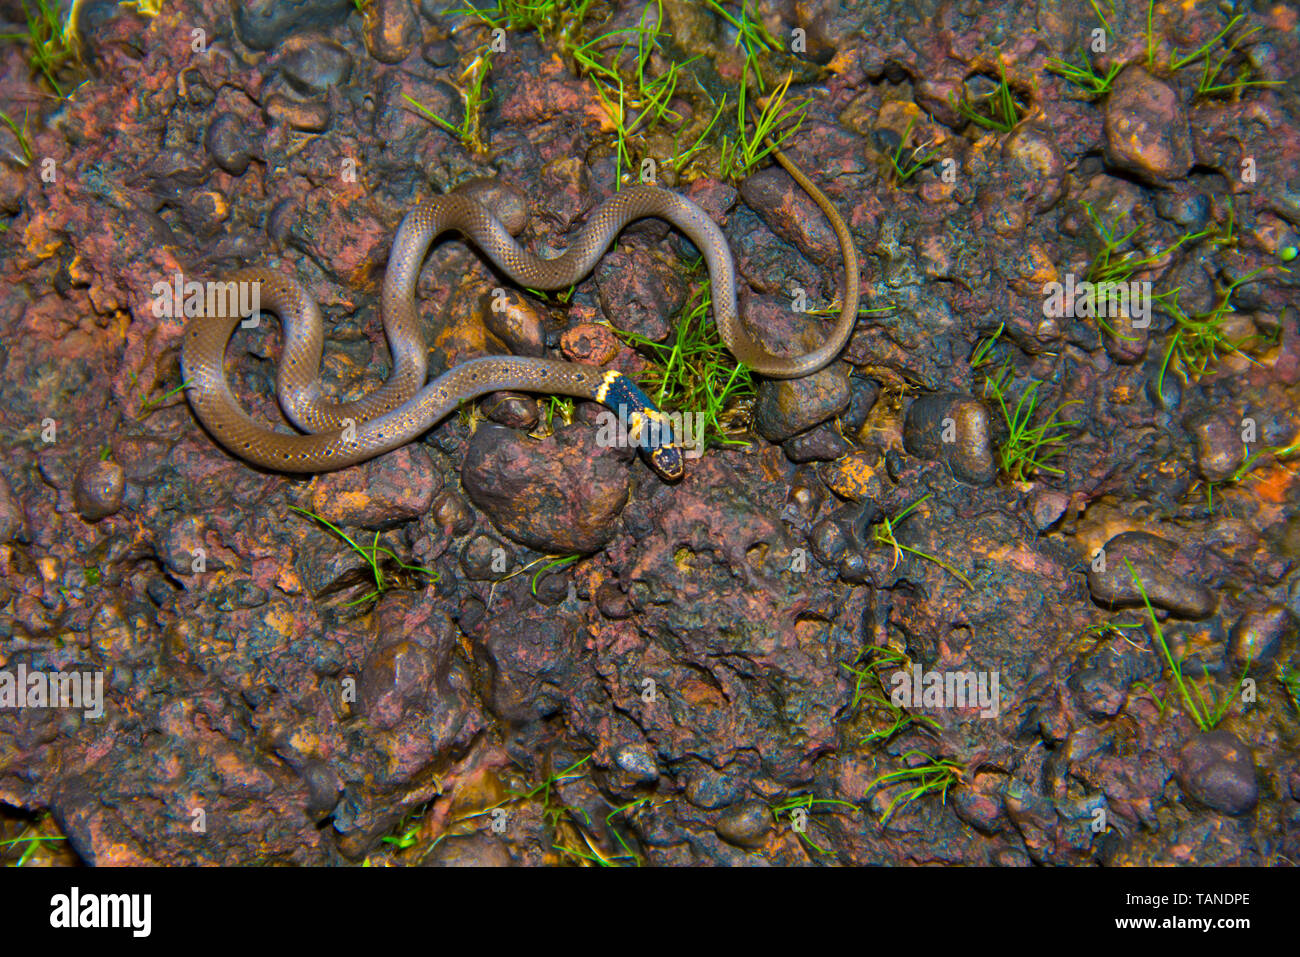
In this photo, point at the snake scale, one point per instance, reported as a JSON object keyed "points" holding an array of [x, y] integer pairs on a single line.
{"points": [[343, 434]]}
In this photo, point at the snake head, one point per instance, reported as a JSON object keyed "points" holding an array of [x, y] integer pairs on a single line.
{"points": [[667, 461]]}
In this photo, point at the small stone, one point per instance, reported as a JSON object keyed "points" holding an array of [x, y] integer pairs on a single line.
{"points": [[392, 29], [312, 65], [1215, 769], [590, 343], [952, 428], [787, 407], [98, 489], [1146, 127], [393, 488], [226, 141], [1260, 635], [261, 24], [612, 602], [1047, 505], [11, 515], [486, 559], [451, 511], [1034, 155], [822, 444], [636, 761], [516, 322], [1219, 449], [470, 850], [512, 409], [1164, 572], [855, 476], [745, 825], [310, 117]]}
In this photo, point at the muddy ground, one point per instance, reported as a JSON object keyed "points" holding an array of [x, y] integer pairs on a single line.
{"points": [[608, 668]]}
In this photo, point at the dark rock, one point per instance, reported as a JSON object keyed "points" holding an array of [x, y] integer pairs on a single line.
{"points": [[1215, 769], [563, 495], [1047, 505], [452, 512], [512, 409], [486, 559], [227, 143], [261, 24], [787, 407], [98, 489], [314, 65], [822, 444], [952, 428], [396, 677], [11, 516], [745, 825], [1165, 573], [637, 763], [525, 669], [310, 117], [865, 392], [709, 789]]}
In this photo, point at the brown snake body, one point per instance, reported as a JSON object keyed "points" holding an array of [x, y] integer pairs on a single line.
{"points": [[404, 406]]}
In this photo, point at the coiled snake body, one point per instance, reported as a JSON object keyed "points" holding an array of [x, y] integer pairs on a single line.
{"points": [[342, 434]]}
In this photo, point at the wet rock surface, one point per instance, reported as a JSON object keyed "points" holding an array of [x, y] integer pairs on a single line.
{"points": [[511, 615]]}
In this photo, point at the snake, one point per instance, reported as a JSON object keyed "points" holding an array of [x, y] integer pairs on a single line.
{"points": [[337, 435]]}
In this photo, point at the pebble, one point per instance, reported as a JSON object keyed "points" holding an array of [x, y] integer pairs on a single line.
{"points": [[1219, 449], [1146, 127], [1164, 574], [261, 24], [396, 677], [1033, 152], [786, 407], [516, 322], [311, 65], [11, 515], [226, 141], [485, 558], [636, 761], [745, 825], [953, 428], [451, 511], [98, 489], [1260, 635], [591, 343], [822, 444], [855, 476], [392, 29], [512, 409], [310, 117], [1217, 770]]}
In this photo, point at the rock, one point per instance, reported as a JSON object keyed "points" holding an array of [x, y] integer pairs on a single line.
{"points": [[1047, 505], [591, 343], [613, 602], [486, 559], [392, 29], [512, 409], [637, 763], [470, 850], [261, 24], [226, 141], [516, 322], [865, 392], [822, 444], [1146, 127], [1034, 154], [1165, 573], [1219, 449], [1215, 769], [312, 65], [396, 677], [98, 489], [559, 496], [639, 293], [393, 488], [310, 117], [709, 789], [787, 407], [1260, 635], [855, 476], [452, 512], [745, 825], [952, 428]]}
